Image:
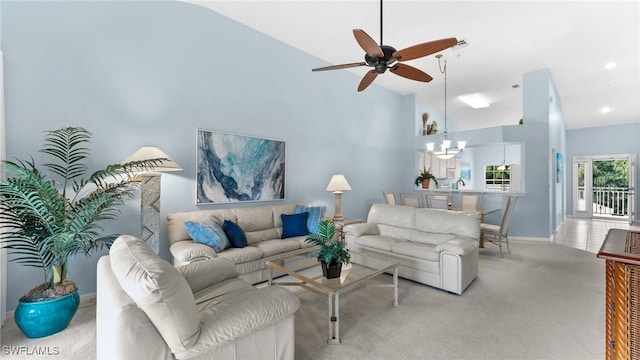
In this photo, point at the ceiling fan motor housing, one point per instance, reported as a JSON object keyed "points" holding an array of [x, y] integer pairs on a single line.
{"points": [[380, 64]]}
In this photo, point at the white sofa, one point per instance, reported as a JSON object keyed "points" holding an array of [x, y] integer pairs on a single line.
{"points": [[262, 226], [148, 309], [434, 247]]}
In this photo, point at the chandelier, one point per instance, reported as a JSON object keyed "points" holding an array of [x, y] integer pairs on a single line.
{"points": [[446, 151]]}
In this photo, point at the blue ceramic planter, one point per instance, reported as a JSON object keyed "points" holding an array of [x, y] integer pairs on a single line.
{"points": [[44, 318]]}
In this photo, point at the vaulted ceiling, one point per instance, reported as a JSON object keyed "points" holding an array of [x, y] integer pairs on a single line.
{"points": [[575, 40]]}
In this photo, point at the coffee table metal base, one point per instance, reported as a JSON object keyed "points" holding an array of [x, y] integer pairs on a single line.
{"points": [[334, 308]]}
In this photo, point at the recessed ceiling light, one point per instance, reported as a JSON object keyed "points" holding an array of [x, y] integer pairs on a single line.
{"points": [[474, 100], [605, 110], [610, 65]]}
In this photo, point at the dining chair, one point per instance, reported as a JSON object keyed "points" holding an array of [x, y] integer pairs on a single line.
{"points": [[389, 197], [471, 202], [498, 234], [411, 199], [438, 201]]}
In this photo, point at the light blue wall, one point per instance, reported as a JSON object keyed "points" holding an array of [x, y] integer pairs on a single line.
{"points": [[139, 73], [602, 140]]}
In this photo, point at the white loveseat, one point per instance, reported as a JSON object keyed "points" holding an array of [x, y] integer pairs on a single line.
{"points": [[434, 247], [262, 226], [148, 309]]}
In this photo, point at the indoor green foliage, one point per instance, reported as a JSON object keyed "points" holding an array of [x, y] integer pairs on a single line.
{"points": [[331, 250], [425, 174], [50, 217]]}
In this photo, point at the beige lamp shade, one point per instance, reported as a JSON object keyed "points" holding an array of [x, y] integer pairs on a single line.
{"points": [[153, 152], [338, 183]]}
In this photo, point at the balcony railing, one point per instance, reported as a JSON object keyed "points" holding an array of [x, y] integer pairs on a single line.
{"points": [[608, 201]]}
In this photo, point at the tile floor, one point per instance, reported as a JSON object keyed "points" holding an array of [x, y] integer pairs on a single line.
{"points": [[588, 234]]}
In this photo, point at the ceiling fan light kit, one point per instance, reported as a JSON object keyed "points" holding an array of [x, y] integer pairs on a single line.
{"points": [[382, 57]]}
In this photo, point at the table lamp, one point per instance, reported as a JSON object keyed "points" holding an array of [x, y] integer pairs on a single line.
{"points": [[150, 192], [338, 184]]}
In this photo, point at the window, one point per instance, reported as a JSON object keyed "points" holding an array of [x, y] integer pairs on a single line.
{"points": [[496, 179]]}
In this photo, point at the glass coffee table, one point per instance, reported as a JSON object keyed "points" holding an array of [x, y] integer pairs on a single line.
{"points": [[354, 276]]}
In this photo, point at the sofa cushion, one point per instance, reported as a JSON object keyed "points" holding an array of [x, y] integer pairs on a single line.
{"points": [[294, 225], [429, 238], [393, 215], [395, 231], [158, 289], [209, 232], [235, 234], [379, 242], [316, 214], [202, 274], [242, 255], [240, 316], [254, 218], [447, 222], [417, 250], [274, 247]]}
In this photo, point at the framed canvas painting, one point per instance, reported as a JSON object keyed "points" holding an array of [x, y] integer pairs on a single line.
{"points": [[233, 168], [559, 167]]}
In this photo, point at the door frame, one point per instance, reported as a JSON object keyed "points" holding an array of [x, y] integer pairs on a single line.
{"points": [[588, 160], [587, 213]]}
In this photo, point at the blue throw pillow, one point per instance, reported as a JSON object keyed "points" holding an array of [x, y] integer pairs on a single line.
{"points": [[294, 225], [208, 232], [235, 234], [316, 214]]}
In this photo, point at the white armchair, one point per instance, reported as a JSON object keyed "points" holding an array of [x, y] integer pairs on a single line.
{"points": [[148, 309]]}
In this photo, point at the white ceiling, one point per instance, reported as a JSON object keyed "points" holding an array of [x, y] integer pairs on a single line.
{"points": [[573, 39]]}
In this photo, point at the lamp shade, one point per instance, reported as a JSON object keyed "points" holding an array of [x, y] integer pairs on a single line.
{"points": [[338, 183], [153, 152]]}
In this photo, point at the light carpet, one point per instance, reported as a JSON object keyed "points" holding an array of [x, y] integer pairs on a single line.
{"points": [[543, 301]]}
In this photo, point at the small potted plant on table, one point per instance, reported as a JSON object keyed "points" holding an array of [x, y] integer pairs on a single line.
{"points": [[424, 177], [332, 253]]}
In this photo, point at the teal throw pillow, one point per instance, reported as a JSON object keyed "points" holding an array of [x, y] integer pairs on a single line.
{"points": [[208, 232], [235, 234], [294, 225], [316, 214]]}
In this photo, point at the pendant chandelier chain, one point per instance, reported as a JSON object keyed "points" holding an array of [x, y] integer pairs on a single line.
{"points": [[446, 151], [443, 70]]}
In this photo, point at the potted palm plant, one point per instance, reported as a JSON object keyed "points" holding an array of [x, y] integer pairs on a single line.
{"points": [[50, 217], [332, 253], [424, 177]]}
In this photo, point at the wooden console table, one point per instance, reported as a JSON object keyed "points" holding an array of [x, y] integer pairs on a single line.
{"points": [[621, 250]]}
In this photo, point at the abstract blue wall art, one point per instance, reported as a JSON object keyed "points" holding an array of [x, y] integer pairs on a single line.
{"points": [[559, 167], [232, 168]]}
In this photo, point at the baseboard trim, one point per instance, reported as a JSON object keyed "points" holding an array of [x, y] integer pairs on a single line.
{"points": [[527, 238], [86, 300]]}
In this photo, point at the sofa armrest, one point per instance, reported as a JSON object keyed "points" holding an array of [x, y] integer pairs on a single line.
{"points": [[202, 274], [185, 252], [247, 313], [458, 246], [361, 229]]}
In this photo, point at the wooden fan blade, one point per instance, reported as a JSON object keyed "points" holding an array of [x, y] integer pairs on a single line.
{"points": [[424, 49], [342, 66], [367, 79], [410, 72], [367, 43]]}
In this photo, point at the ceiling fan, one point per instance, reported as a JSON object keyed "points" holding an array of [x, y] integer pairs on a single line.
{"points": [[382, 57]]}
